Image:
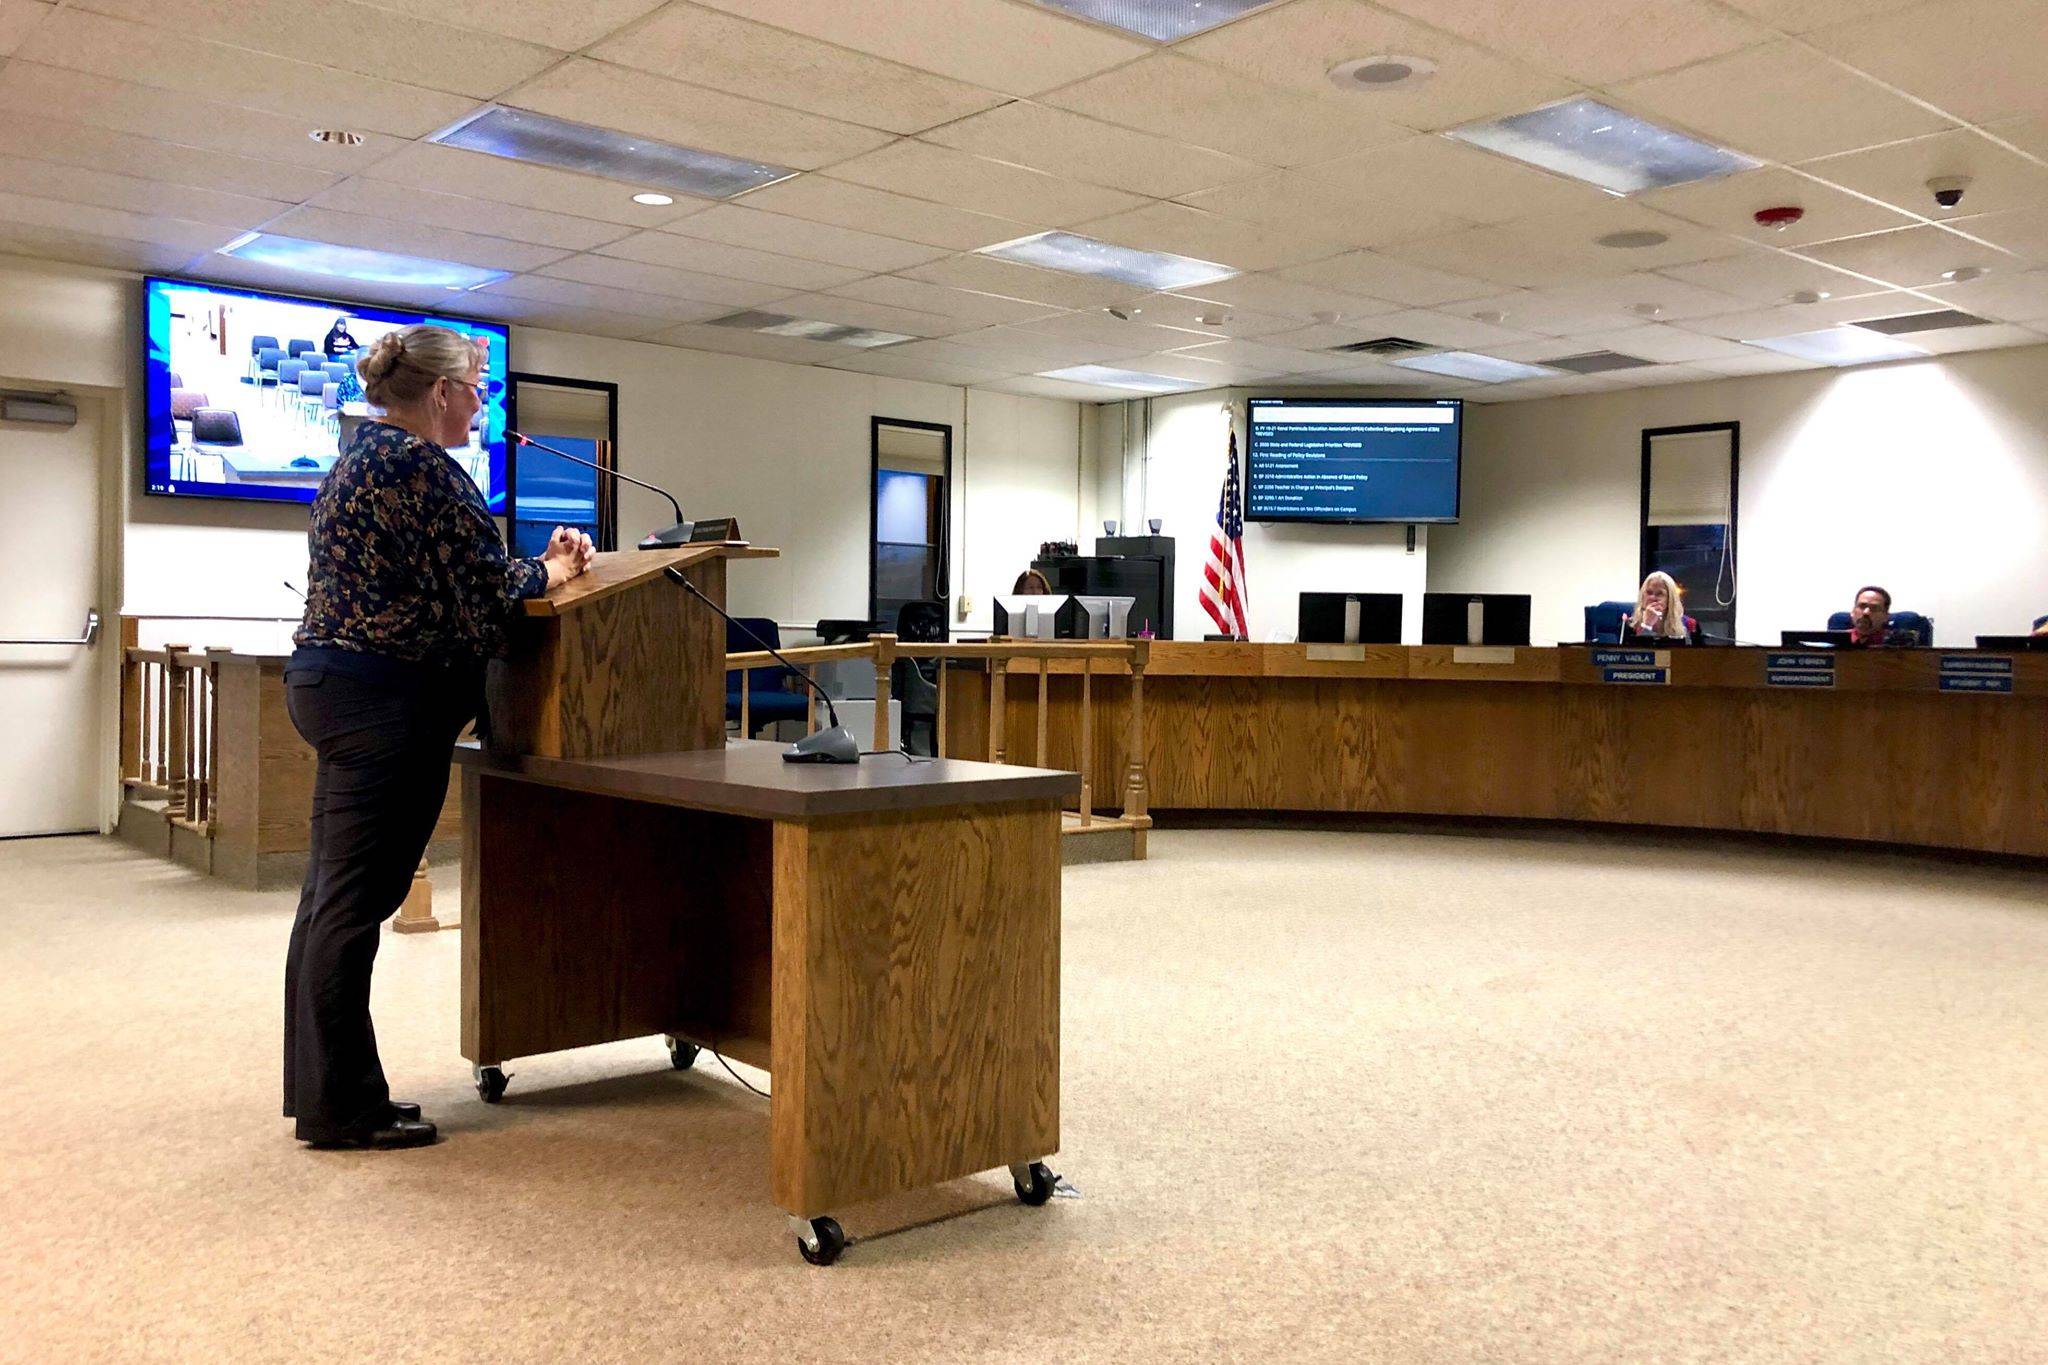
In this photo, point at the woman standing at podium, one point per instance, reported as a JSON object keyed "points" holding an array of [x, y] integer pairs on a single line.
{"points": [[409, 591]]}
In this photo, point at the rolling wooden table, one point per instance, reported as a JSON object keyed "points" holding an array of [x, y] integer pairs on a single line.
{"points": [[882, 938]]}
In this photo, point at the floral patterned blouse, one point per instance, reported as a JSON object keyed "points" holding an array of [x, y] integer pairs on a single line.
{"points": [[406, 560]]}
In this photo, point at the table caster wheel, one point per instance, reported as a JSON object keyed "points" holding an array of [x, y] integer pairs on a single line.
{"points": [[820, 1240], [490, 1084], [681, 1055], [1034, 1182]]}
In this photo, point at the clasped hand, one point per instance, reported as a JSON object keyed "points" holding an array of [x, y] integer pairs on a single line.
{"points": [[568, 554]]}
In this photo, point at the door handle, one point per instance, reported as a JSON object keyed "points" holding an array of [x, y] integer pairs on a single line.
{"points": [[86, 640]]}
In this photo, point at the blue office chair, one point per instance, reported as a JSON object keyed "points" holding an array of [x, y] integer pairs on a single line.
{"points": [[300, 347], [1921, 628], [1603, 621], [767, 700], [2040, 621], [267, 361]]}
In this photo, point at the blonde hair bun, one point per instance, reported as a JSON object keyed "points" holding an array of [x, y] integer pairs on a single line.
{"points": [[400, 367]]}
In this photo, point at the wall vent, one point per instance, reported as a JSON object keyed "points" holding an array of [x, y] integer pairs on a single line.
{"points": [[1922, 322], [1383, 346], [1597, 362]]}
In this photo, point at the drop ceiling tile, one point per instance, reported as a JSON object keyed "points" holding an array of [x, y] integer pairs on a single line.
{"points": [[1594, 42], [733, 262], [1898, 174], [1034, 387], [738, 225], [989, 275], [1665, 345], [261, 275], [1293, 46], [1017, 49], [1675, 299], [1788, 319], [1498, 255], [1978, 59], [1051, 353], [412, 239], [1380, 276], [378, 43], [1328, 336], [981, 185], [1758, 361], [1136, 335], [1333, 212], [567, 25], [947, 352], [1451, 329], [121, 225], [18, 18], [1259, 355], [1742, 101], [1560, 248], [1177, 310], [2021, 231], [150, 198], [709, 120], [86, 248], [316, 96], [556, 318], [1730, 204], [450, 170], [1208, 236], [965, 305], [384, 199], [1955, 340], [602, 298], [29, 89], [859, 313], [885, 361], [1063, 143], [1281, 297], [2029, 134], [1802, 16], [628, 279], [696, 336], [2018, 297], [1907, 257], [98, 149], [1550, 312], [740, 57], [1462, 182], [1210, 374], [1187, 101], [1761, 276], [821, 199]]}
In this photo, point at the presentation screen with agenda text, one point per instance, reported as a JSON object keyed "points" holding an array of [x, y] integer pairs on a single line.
{"points": [[1353, 460]]}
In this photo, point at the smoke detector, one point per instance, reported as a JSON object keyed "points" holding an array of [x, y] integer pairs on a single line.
{"points": [[1381, 72], [336, 137], [1779, 217], [1808, 296], [1963, 274], [1633, 240], [1491, 316], [1123, 313], [1647, 310]]}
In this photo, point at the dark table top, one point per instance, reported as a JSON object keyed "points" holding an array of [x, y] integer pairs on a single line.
{"points": [[748, 777]]}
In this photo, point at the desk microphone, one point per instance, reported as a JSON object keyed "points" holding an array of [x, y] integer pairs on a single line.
{"points": [[833, 745], [678, 534]]}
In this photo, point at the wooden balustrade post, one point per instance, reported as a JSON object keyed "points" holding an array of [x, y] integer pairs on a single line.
{"points": [[885, 659], [159, 740], [939, 720], [195, 785], [177, 715], [1134, 772], [210, 812], [416, 914], [131, 701], [746, 728], [998, 683], [810, 703], [1044, 681], [1087, 737]]}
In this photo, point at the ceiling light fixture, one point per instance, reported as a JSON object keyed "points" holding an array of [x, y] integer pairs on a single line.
{"points": [[1492, 317], [1841, 346], [1486, 369], [336, 137], [1163, 21], [1078, 255], [653, 200], [1593, 142], [1808, 296], [357, 263], [1634, 239], [809, 329], [1109, 376], [521, 135], [1963, 274], [1386, 71], [1647, 310]]}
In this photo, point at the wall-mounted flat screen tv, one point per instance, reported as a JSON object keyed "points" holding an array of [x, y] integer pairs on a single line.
{"points": [[252, 395], [1353, 459]]}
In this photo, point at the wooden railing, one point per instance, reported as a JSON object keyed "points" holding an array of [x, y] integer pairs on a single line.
{"points": [[1087, 659]]}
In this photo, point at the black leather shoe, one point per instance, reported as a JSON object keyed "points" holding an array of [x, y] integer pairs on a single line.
{"points": [[389, 1137], [405, 1109]]}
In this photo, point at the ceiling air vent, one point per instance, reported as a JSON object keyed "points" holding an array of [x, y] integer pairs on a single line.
{"points": [[1597, 362], [1923, 322], [1383, 346]]}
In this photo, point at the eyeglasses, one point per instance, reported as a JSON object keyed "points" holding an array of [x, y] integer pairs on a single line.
{"points": [[483, 388]]}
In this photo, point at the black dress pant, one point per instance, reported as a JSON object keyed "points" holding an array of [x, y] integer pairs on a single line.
{"points": [[383, 754]]}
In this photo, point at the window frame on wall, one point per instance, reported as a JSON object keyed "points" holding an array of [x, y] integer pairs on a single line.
{"points": [[1644, 537], [607, 489], [943, 546]]}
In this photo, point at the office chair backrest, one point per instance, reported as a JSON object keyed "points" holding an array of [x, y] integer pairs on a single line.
{"points": [[1921, 628], [217, 426], [921, 622], [2040, 621], [269, 358], [259, 344], [1603, 621], [766, 678], [299, 347]]}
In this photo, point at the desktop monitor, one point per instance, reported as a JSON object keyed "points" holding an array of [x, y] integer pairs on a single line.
{"points": [[1350, 618], [1105, 618], [1029, 616], [1464, 618], [1815, 639]]}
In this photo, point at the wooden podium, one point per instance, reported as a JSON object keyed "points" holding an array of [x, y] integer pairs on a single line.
{"points": [[882, 938]]}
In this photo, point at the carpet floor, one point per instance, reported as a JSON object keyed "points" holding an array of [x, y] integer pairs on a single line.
{"points": [[1326, 1097]]}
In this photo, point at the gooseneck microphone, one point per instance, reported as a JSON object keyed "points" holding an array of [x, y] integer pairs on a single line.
{"points": [[678, 534], [833, 745]]}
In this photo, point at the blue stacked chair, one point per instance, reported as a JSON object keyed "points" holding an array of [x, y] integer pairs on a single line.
{"points": [[288, 372], [267, 361]]}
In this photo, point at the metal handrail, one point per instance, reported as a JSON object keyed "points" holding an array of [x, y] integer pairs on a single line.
{"points": [[91, 635]]}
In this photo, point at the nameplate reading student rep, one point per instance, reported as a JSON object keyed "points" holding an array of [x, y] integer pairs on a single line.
{"points": [[1975, 673]]}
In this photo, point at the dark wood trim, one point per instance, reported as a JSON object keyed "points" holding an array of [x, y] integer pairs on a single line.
{"points": [[942, 574], [1734, 430], [607, 489]]}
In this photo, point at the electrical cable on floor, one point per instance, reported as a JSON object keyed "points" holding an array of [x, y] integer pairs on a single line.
{"points": [[713, 1050]]}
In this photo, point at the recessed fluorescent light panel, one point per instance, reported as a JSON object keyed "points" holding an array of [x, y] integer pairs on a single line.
{"points": [[1841, 346], [357, 263], [1602, 146], [520, 135], [1079, 255], [1160, 20], [810, 329], [1471, 365], [1110, 377]]}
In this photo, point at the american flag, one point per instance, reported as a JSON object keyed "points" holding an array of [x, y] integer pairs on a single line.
{"points": [[1223, 582]]}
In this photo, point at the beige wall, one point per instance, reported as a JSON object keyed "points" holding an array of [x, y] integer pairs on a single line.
{"points": [[1929, 477]]}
